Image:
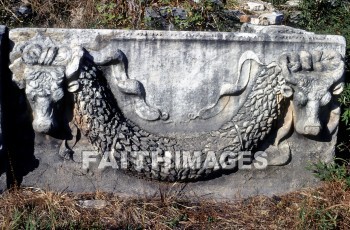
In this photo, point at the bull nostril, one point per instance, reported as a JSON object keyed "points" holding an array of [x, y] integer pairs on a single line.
{"points": [[312, 130], [42, 127]]}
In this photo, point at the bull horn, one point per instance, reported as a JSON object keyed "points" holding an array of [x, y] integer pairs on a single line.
{"points": [[283, 64], [338, 73], [74, 65], [17, 68]]}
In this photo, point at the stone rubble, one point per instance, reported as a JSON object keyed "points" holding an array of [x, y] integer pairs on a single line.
{"points": [[269, 19], [244, 18], [24, 11], [255, 12], [259, 13], [254, 6]]}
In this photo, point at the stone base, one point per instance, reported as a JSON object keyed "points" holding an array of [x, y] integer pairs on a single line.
{"points": [[58, 174]]}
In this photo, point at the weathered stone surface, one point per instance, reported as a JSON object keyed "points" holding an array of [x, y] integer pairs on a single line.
{"points": [[254, 6], [274, 30], [62, 175], [255, 20], [271, 19], [184, 106]]}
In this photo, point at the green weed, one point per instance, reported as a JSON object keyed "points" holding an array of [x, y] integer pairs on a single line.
{"points": [[332, 172]]}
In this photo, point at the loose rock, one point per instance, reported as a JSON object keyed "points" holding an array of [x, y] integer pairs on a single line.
{"points": [[254, 6]]}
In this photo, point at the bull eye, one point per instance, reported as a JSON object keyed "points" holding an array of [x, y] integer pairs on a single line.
{"points": [[300, 99], [33, 84], [325, 99]]}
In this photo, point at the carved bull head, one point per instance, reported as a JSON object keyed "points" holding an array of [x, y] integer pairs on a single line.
{"points": [[311, 78], [40, 69], [44, 87]]}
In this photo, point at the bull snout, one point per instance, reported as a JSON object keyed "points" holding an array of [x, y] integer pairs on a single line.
{"points": [[42, 115], [42, 125], [312, 130], [307, 120]]}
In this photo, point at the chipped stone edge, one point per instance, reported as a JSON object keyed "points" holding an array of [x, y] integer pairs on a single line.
{"points": [[192, 35]]}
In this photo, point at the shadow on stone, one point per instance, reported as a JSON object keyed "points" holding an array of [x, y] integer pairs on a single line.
{"points": [[19, 135]]}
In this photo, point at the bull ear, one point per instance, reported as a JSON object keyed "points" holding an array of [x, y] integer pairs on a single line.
{"points": [[73, 86], [338, 88], [18, 68], [286, 91]]}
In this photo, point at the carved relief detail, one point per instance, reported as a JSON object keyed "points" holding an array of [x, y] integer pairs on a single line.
{"points": [[132, 87], [43, 52], [312, 78], [305, 81]]}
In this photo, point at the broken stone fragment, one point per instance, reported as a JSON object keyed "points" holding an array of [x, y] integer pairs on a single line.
{"points": [[254, 6], [275, 29], [24, 11], [293, 3], [273, 18], [255, 20], [244, 18]]}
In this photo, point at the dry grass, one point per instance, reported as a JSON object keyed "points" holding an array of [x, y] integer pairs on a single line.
{"points": [[326, 207], [50, 13]]}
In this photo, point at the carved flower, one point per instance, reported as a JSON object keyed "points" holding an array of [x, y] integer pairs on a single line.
{"points": [[32, 53]]}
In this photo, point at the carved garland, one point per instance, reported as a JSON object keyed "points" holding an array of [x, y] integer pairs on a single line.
{"points": [[41, 67]]}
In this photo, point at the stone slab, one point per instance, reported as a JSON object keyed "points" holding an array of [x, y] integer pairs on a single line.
{"points": [[212, 97]]}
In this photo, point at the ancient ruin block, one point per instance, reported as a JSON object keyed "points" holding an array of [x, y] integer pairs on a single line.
{"points": [[236, 113]]}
